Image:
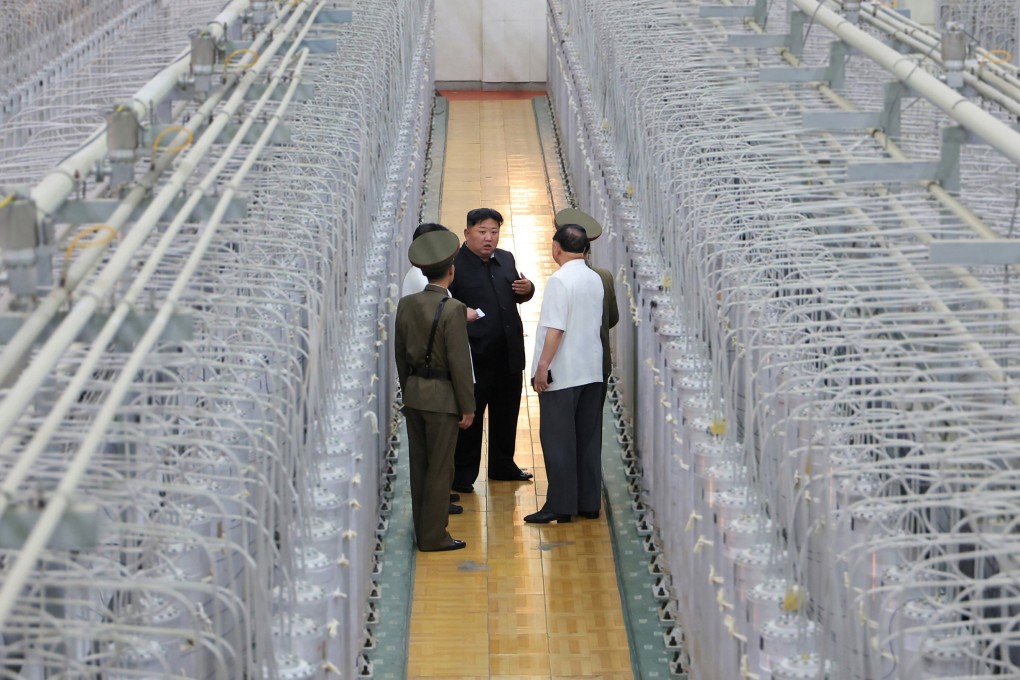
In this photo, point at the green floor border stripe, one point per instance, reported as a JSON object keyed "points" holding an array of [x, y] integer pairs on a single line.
{"points": [[649, 657], [558, 194], [433, 200], [648, 653], [396, 582]]}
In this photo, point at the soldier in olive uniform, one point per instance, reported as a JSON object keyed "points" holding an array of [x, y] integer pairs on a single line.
{"points": [[610, 310], [434, 368]]}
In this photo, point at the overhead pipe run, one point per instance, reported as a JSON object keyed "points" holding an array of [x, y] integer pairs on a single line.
{"points": [[16, 476], [983, 71], [60, 499], [38, 320], [54, 189], [971, 116]]}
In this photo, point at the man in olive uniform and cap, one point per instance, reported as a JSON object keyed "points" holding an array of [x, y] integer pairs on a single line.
{"points": [[434, 369], [610, 310]]}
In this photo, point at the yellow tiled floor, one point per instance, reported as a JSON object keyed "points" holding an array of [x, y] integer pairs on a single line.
{"points": [[521, 601]]}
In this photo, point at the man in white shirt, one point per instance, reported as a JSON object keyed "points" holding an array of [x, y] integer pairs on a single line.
{"points": [[567, 375]]}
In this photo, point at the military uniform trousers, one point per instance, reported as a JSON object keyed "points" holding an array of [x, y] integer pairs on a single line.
{"points": [[432, 440]]}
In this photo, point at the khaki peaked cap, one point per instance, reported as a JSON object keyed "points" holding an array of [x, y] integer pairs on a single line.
{"points": [[582, 219], [434, 250]]}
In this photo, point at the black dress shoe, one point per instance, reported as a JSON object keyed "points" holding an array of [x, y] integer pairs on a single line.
{"points": [[454, 497], [456, 545], [463, 488], [543, 517], [521, 476], [592, 514], [455, 509]]}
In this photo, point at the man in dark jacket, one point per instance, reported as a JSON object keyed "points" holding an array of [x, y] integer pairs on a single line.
{"points": [[489, 284]]}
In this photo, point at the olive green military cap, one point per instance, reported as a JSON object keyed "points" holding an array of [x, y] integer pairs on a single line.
{"points": [[582, 219], [434, 250]]}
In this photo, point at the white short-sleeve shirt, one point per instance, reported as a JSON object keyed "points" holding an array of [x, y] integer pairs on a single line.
{"points": [[414, 282], [572, 303]]}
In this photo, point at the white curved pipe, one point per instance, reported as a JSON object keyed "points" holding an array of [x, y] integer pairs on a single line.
{"points": [[33, 376], [60, 500], [107, 334], [55, 187]]}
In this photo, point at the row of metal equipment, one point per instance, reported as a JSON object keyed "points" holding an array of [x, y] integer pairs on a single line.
{"points": [[198, 214], [812, 208]]}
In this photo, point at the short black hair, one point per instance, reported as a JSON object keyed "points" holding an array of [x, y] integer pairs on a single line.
{"points": [[436, 273], [481, 214], [571, 238], [426, 228]]}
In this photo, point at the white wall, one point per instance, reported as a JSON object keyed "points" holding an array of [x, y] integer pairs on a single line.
{"points": [[491, 41], [459, 40], [504, 41]]}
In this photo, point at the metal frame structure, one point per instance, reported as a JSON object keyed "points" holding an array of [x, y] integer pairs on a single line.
{"points": [[197, 392], [810, 207]]}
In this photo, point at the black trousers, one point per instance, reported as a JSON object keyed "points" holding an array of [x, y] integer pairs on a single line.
{"points": [[500, 391]]}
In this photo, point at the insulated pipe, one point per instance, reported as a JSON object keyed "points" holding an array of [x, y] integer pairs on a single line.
{"points": [[895, 23], [60, 500], [34, 375], [54, 189], [999, 74], [987, 83], [997, 134], [108, 333], [35, 323]]}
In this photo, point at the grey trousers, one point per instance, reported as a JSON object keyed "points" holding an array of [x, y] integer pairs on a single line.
{"points": [[431, 441], [571, 434]]}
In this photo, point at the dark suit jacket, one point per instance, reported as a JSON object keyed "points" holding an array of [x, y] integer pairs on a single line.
{"points": [[487, 287], [610, 316], [449, 353]]}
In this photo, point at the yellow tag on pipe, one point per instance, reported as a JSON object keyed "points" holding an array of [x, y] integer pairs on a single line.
{"points": [[793, 601]]}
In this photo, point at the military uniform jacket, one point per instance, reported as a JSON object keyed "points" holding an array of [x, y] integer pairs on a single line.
{"points": [[610, 316], [450, 352], [488, 287]]}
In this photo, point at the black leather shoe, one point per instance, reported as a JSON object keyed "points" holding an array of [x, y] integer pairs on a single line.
{"points": [[455, 509], [521, 476], [593, 514], [456, 545], [543, 517], [454, 497], [463, 488]]}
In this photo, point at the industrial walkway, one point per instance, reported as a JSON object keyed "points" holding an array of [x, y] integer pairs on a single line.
{"points": [[522, 601]]}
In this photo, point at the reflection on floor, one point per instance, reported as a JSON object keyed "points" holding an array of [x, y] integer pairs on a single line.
{"points": [[521, 601]]}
